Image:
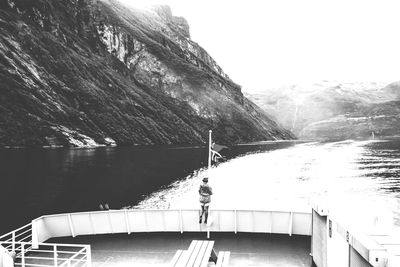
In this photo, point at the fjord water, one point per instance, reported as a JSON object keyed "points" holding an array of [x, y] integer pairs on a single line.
{"points": [[361, 178], [35, 182], [359, 181]]}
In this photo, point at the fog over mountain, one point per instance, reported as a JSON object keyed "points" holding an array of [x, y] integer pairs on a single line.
{"points": [[334, 110], [90, 72]]}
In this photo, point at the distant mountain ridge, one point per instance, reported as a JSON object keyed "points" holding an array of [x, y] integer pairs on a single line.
{"points": [[334, 110], [92, 72]]}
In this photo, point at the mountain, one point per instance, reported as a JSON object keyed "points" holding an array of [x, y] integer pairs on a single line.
{"points": [[334, 110], [90, 72]]}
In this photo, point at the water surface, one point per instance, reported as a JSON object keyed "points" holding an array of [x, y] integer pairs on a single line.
{"points": [[359, 181], [35, 182]]}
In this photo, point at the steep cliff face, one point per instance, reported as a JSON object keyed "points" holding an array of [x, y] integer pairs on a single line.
{"points": [[88, 72]]}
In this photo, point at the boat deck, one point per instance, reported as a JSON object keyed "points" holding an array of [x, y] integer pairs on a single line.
{"points": [[157, 249]]}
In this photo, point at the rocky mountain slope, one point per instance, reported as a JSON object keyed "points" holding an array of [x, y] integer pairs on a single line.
{"points": [[335, 111], [89, 72]]}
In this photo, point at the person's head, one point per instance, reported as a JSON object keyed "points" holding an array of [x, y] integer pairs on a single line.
{"points": [[205, 180]]}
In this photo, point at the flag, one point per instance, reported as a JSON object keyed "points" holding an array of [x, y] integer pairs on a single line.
{"points": [[215, 149], [218, 148]]}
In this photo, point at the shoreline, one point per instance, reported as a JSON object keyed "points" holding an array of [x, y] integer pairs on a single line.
{"points": [[185, 146]]}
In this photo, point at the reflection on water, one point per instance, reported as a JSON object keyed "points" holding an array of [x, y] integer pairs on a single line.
{"points": [[357, 179], [45, 181]]}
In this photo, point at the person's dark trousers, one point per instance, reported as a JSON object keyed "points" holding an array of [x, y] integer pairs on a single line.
{"points": [[204, 210]]}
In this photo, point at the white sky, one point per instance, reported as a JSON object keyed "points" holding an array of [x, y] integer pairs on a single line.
{"points": [[266, 43]]}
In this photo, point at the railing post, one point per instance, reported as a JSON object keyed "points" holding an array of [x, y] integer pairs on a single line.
{"points": [[13, 241], [55, 255], [146, 221], [88, 256], [92, 224], [253, 223], [35, 236], [311, 233], [22, 254], [180, 221], [110, 221], [270, 221], [71, 226], [128, 228], [163, 220], [290, 230], [235, 220]]}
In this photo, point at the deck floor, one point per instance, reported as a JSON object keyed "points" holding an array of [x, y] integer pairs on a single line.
{"points": [[157, 249]]}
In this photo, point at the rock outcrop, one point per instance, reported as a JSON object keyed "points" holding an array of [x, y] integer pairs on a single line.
{"points": [[335, 111], [91, 72]]}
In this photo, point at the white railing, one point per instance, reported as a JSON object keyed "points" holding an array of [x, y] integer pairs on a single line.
{"points": [[338, 240], [27, 247], [80, 258], [22, 234], [50, 254], [19, 246], [131, 221]]}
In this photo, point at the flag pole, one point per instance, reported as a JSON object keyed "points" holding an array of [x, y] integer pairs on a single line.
{"points": [[209, 148]]}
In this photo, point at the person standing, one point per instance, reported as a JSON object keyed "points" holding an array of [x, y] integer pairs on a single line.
{"points": [[205, 192]]}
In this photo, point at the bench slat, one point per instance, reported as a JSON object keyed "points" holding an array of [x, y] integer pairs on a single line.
{"points": [[192, 245], [207, 253], [197, 251], [226, 258], [176, 257], [220, 258], [198, 254], [223, 258], [183, 259]]}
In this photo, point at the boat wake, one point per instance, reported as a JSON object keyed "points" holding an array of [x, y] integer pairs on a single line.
{"points": [[350, 177]]}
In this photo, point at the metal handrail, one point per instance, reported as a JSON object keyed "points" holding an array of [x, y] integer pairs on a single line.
{"points": [[22, 231], [46, 244], [16, 230], [68, 262], [60, 257], [31, 264]]}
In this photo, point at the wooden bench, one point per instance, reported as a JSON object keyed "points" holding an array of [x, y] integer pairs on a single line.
{"points": [[223, 258], [200, 252], [179, 254]]}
